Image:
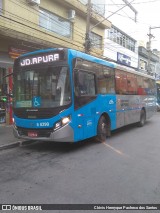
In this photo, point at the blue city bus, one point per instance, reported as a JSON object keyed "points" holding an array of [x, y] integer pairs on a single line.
{"points": [[158, 91], [64, 95], [158, 95]]}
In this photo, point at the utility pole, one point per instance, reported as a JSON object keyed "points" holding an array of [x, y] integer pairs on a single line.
{"points": [[87, 43], [110, 15], [149, 47], [149, 50], [131, 7]]}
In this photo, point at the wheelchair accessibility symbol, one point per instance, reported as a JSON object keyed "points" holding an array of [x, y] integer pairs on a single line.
{"points": [[36, 101]]}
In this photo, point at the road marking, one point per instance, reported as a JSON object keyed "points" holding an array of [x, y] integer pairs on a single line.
{"points": [[115, 150]]}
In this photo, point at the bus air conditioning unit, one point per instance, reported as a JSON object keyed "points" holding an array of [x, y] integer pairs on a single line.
{"points": [[33, 2]]}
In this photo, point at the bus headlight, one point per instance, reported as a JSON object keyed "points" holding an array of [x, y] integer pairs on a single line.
{"points": [[65, 120], [62, 123]]}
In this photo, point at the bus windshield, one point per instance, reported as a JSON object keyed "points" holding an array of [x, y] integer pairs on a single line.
{"points": [[42, 88]]}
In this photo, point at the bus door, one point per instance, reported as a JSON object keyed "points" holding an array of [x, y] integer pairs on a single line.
{"points": [[85, 94], [79, 126], [89, 122]]}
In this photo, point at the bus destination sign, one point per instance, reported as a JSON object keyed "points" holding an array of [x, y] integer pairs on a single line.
{"points": [[40, 59]]}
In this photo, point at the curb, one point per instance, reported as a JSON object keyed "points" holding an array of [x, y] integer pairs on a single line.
{"points": [[9, 146], [15, 144]]}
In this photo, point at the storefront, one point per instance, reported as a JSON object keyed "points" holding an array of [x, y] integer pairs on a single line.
{"points": [[9, 50], [6, 66]]}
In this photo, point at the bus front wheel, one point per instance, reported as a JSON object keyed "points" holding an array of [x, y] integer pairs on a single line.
{"points": [[102, 129], [142, 118]]}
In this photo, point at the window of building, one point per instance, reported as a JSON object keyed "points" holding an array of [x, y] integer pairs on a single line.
{"points": [[98, 7], [115, 35], [96, 40], [122, 39], [1, 7], [143, 64], [132, 45], [55, 23], [153, 68]]}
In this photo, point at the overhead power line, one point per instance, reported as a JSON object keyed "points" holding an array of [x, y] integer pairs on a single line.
{"points": [[132, 8], [88, 29]]}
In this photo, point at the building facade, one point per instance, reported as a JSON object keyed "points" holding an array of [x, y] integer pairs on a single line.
{"points": [[144, 61], [99, 6], [27, 25], [121, 48]]}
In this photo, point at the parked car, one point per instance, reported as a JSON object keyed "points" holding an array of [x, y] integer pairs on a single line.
{"points": [[158, 106]]}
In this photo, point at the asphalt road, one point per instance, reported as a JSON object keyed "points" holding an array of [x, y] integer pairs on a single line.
{"points": [[123, 170]]}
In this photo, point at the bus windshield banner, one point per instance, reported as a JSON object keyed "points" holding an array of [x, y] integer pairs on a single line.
{"points": [[40, 59]]}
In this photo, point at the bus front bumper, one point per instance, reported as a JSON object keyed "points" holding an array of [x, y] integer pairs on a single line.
{"points": [[64, 134]]}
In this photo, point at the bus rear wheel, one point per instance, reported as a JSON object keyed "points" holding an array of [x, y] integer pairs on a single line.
{"points": [[142, 118], [102, 129]]}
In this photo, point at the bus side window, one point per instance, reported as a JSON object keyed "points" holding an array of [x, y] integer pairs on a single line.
{"points": [[140, 84], [121, 82], [85, 84], [131, 84], [85, 88], [82, 87], [106, 82]]}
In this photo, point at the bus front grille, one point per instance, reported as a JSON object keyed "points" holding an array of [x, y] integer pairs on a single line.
{"points": [[39, 132]]}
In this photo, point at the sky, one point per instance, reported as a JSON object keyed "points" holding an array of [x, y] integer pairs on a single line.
{"points": [[148, 16]]}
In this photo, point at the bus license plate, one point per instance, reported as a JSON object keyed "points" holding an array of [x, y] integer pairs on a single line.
{"points": [[32, 134]]}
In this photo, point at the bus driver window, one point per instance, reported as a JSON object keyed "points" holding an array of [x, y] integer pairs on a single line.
{"points": [[81, 84]]}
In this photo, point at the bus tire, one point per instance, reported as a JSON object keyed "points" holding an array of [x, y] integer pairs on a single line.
{"points": [[102, 130], [142, 118]]}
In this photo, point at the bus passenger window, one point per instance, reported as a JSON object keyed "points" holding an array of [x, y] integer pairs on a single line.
{"points": [[82, 84], [86, 84], [85, 88], [106, 82], [121, 82], [131, 84], [140, 89]]}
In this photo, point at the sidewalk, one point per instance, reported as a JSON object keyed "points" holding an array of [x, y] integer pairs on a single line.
{"points": [[7, 139]]}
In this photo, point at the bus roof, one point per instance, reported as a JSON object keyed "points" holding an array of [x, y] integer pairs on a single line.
{"points": [[74, 54], [78, 54], [91, 58], [39, 51], [132, 70]]}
